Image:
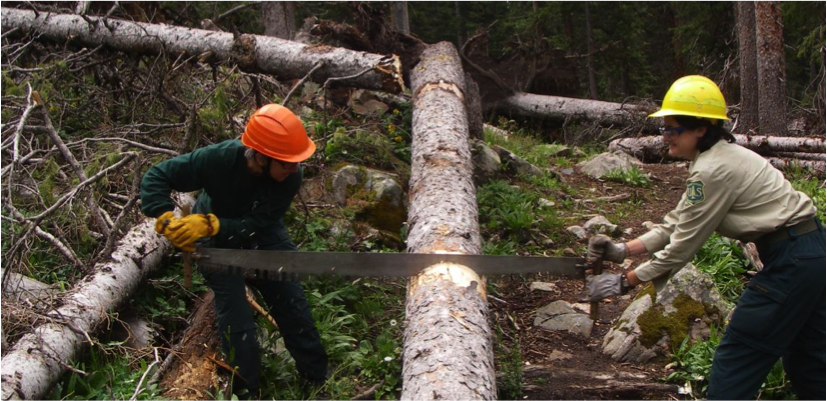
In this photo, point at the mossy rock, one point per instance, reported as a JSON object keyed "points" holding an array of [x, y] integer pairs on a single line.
{"points": [[656, 323], [371, 196]]}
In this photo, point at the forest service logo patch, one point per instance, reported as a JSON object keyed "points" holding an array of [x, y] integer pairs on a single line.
{"points": [[694, 192]]}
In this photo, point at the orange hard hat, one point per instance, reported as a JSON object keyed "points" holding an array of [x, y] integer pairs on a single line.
{"points": [[275, 131]]}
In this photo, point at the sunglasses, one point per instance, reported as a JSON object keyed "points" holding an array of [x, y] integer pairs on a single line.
{"points": [[671, 132], [289, 166]]}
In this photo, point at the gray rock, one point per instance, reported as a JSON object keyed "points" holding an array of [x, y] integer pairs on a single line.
{"points": [[515, 164], [486, 162], [545, 203], [601, 225], [622, 341], [567, 171], [578, 231], [541, 286], [578, 153], [601, 164], [383, 202], [560, 316]]}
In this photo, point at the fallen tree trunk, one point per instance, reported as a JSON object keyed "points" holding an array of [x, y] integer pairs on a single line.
{"points": [[447, 349], [652, 148], [800, 156], [815, 167], [36, 361], [286, 59], [573, 110]]}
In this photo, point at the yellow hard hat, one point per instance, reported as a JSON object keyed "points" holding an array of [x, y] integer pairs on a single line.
{"points": [[696, 96]]}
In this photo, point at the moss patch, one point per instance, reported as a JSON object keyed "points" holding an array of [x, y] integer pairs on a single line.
{"points": [[654, 324]]}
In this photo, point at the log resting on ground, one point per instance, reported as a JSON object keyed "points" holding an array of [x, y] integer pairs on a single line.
{"points": [[286, 59], [447, 349], [37, 360], [652, 149], [574, 110]]}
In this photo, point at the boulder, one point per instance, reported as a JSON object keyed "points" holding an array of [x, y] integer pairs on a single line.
{"points": [[543, 202], [656, 323], [486, 162], [376, 197], [601, 164], [561, 316]]}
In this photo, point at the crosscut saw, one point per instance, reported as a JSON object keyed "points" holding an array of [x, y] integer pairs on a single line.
{"points": [[280, 265]]}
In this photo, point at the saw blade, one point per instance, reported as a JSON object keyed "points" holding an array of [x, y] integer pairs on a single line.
{"points": [[275, 264]]}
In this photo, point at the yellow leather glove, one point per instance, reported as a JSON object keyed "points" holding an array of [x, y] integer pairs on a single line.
{"points": [[185, 231], [163, 222]]}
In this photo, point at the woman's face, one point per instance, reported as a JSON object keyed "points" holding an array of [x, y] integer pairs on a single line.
{"points": [[682, 141]]}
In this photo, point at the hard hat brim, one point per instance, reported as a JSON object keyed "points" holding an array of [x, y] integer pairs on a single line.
{"points": [[671, 112]]}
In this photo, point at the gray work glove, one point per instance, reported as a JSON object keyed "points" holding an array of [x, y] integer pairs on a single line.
{"points": [[606, 285], [601, 246]]}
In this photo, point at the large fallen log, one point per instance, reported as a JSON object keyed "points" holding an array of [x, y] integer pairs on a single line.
{"points": [[286, 59], [652, 148], [447, 349], [573, 110], [36, 361]]}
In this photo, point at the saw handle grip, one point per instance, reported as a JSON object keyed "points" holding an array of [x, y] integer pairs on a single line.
{"points": [[594, 306]]}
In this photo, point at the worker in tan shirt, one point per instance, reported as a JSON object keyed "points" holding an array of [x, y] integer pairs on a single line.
{"points": [[737, 193]]}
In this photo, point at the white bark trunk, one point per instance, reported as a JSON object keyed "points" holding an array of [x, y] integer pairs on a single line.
{"points": [[33, 364], [288, 60], [573, 110], [447, 349]]}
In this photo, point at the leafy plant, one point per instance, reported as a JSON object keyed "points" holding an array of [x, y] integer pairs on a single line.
{"points": [[722, 259], [632, 176], [692, 363]]}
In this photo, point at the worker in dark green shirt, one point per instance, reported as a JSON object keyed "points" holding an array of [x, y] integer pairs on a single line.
{"points": [[248, 186]]}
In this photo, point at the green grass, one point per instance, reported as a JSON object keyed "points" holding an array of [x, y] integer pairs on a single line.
{"points": [[724, 261]]}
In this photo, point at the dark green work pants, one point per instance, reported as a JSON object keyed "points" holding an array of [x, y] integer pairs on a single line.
{"points": [[780, 314], [288, 305]]}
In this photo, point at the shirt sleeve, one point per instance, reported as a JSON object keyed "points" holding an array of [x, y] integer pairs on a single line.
{"points": [[658, 237], [706, 202], [183, 173]]}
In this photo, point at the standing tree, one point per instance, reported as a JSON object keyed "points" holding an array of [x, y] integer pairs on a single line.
{"points": [[279, 19], [590, 50], [772, 96], [748, 66], [399, 11]]}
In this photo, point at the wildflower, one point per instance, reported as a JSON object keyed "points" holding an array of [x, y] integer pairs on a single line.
{"points": [[396, 111], [388, 359], [393, 322], [391, 128], [398, 138]]}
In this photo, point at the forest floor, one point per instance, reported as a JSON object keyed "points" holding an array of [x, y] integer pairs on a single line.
{"points": [[582, 354], [561, 365]]}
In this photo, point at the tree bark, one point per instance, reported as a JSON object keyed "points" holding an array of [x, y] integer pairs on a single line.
{"points": [[747, 62], [279, 19], [573, 110], [288, 60], [473, 102], [590, 48], [400, 17], [447, 343], [772, 88], [36, 361]]}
